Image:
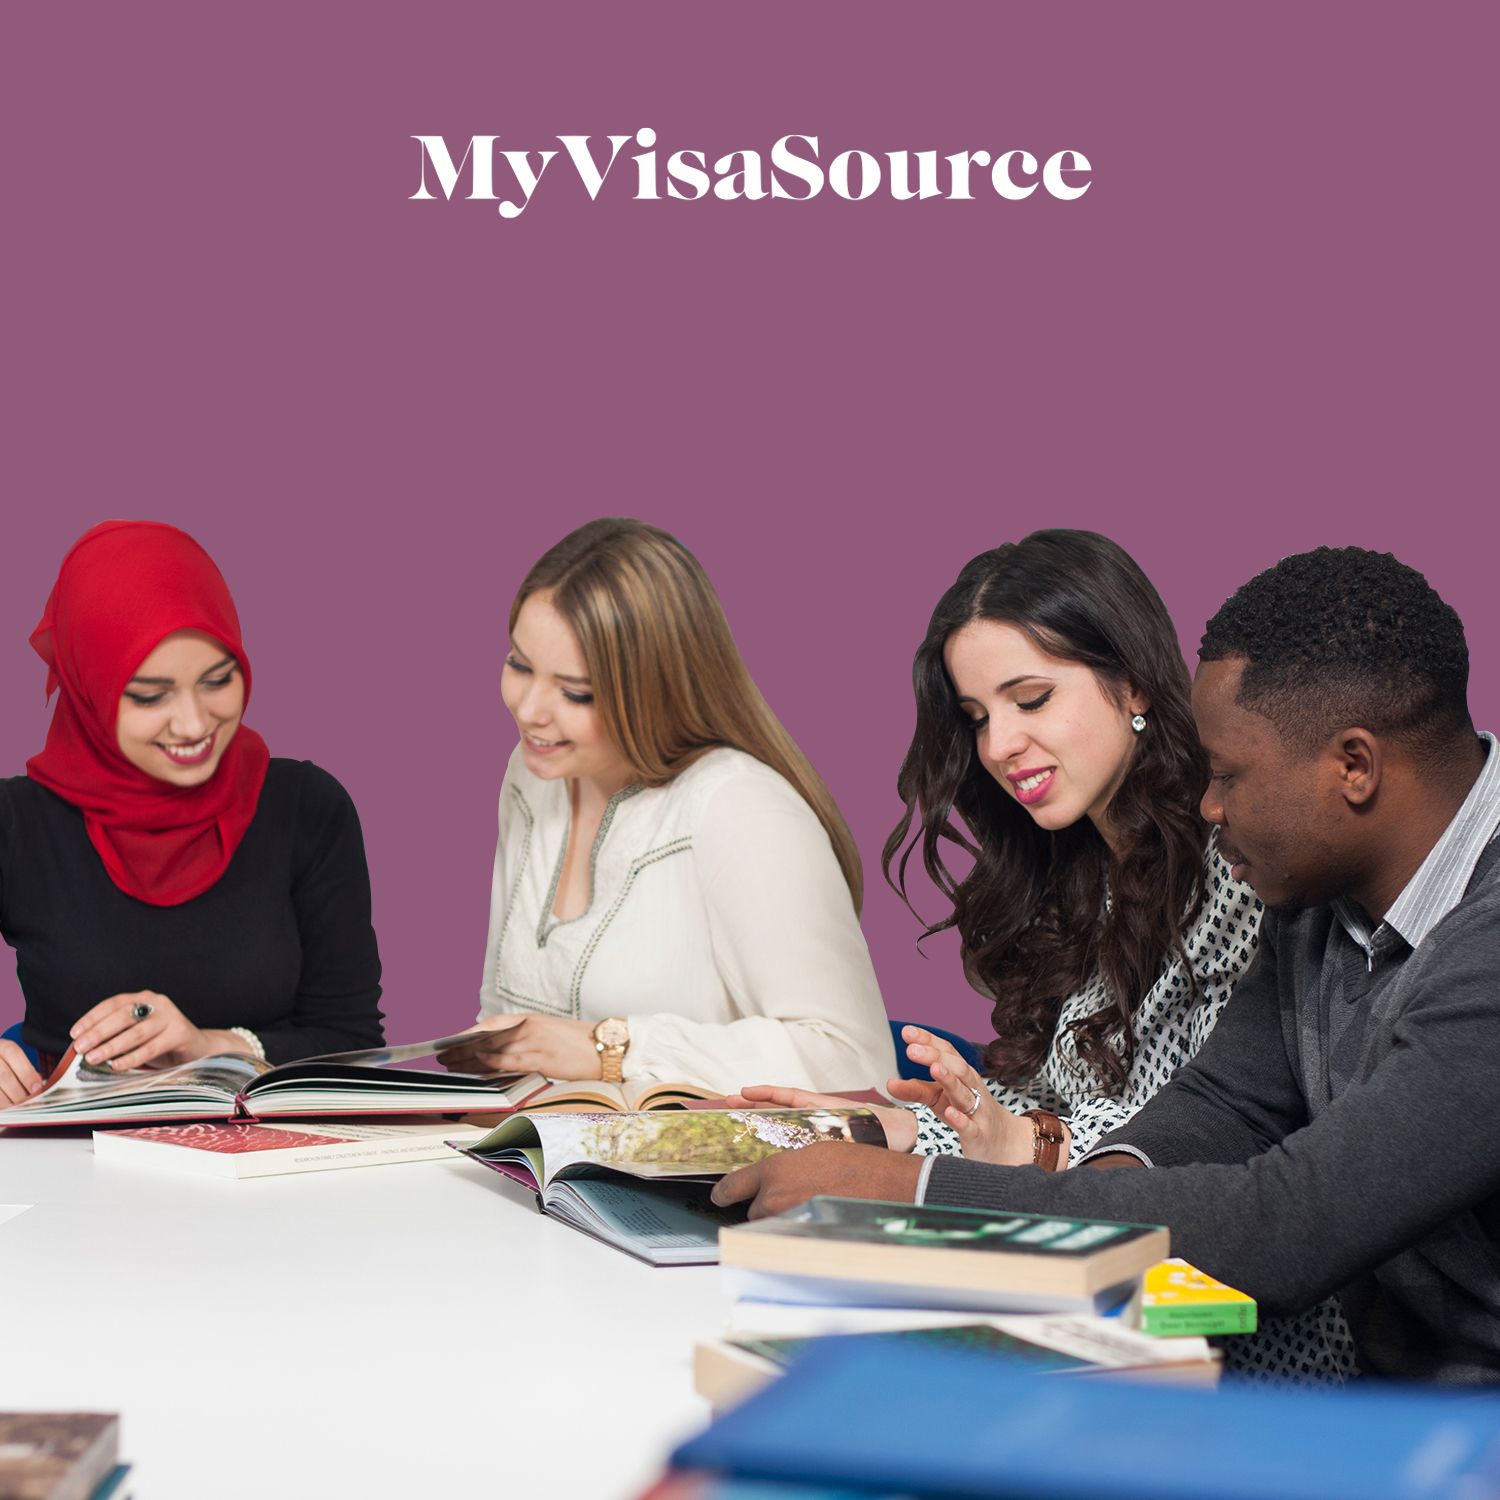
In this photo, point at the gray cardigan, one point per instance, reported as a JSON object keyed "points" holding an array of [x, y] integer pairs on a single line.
{"points": [[1335, 1134]]}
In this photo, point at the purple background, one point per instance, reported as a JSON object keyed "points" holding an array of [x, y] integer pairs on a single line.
{"points": [[1269, 324]]}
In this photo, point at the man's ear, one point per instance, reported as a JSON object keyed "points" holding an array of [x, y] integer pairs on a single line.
{"points": [[1358, 763]]}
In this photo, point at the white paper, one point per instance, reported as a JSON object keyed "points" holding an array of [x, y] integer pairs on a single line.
{"points": [[10, 1210]]}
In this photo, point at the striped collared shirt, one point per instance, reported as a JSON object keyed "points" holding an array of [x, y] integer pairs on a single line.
{"points": [[1441, 878]]}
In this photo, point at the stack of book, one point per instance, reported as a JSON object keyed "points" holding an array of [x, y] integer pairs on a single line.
{"points": [[889, 1278]]}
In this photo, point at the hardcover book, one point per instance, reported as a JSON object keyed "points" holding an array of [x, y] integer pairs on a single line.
{"points": [[640, 1182], [238, 1087], [905, 1255], [235, 1149], [840, 1417], [726, 1371], [56, 1456]]}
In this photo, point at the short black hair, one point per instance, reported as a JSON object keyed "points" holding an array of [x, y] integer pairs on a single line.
{"points": [[1341, 636]]}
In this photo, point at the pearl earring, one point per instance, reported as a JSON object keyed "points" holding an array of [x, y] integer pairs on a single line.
{"points": [[1138, 723]]}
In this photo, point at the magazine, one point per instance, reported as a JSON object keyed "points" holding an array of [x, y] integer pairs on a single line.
{"points": [[640, 1181]]}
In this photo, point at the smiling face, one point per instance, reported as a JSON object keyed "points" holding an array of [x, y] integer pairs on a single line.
{"points": [[547, 689], [1045, 728], [1281, 815], [180, 710]]}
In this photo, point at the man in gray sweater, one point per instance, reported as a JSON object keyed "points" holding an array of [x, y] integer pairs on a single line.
{"points": [[1334, 1133]]}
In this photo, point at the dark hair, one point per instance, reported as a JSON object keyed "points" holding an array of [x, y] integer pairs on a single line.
{"points": [[1031, 912], [1339, 637]]}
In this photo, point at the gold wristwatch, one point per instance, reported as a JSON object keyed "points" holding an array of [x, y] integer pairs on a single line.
{"points": [[611, 1038]]}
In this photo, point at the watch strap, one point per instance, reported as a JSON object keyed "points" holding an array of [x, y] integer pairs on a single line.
{"points": [[1048, 1141]]}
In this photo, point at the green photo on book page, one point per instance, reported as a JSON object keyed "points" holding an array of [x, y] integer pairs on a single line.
{"points": [[710, 1143]]}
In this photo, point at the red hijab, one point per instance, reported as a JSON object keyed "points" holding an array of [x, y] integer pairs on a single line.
{"points": [[122, 589]]}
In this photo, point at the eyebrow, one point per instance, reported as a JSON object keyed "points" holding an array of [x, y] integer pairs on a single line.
{"points": [[218, 666], [1008, 684], [559, 676]]}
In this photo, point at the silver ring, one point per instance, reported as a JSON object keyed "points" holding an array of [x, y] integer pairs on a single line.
{"points": [[973, 1109], [141, 1011]]}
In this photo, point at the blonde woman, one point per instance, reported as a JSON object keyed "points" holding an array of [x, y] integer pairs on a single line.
{"points": [[676, 895]]}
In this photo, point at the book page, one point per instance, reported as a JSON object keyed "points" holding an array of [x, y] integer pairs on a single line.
{"points": [[661, 1144], [664, 1095], [587, 1097], [75, 1088], [672, 1223]]}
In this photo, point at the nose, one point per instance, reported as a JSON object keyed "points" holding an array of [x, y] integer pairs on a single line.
{"points": [[190, 720], [534, 708], [1211, 804], [1002, 743]]}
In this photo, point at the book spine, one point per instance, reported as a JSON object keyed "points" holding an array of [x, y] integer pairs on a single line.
{"points": [[1201, 1318]]}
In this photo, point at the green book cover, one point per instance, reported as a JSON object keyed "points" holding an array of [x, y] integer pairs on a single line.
{"points": [[926, 1226]]}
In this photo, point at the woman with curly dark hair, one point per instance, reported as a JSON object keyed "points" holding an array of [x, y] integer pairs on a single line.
{"points": [[1055, 745]]}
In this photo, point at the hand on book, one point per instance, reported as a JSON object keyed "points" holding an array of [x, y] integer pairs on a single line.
{"points": [[783, 1181], [960, 1097], [18, 1079], [900, 1125], [555, 1046], [115, 1032]]}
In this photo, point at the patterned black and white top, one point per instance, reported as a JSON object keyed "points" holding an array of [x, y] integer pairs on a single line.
{"points": [[1170, 1025]]}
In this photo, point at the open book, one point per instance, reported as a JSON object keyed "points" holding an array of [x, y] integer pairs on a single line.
{"points": [[591, 1096], [238, 1087], [640, 1181]]}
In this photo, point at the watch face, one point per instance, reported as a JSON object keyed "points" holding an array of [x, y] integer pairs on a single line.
{"points": [[612, 1032]]}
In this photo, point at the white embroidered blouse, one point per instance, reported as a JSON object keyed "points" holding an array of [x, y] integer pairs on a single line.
{"points": [[719, 927]]}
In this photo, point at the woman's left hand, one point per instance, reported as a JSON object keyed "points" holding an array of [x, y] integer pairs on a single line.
{"points": [[556, 1046], [987, 1131], [112, 1032]]}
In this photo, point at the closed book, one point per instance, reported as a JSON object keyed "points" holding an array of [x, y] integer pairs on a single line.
{"points": [[939, 1422], [728, 1370], [216, 1148], [1175, 1298], [852, 1250], [56, 1455], [234, 1086]]}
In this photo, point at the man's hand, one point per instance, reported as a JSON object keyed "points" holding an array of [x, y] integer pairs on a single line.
{"points": [[783, 1181]]}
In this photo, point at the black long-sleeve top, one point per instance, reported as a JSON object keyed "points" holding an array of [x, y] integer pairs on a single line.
{"points": [[281, 943]]}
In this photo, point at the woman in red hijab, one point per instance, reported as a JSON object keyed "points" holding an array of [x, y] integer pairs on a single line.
{"points": [[172, 891]]}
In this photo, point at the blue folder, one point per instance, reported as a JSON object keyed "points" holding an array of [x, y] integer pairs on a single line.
{"points": [[932, 1422]]}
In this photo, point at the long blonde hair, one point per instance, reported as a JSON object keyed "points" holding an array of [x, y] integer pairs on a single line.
{"points": [[666, 674]]}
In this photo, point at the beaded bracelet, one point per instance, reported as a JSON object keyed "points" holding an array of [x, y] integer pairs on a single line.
{"points": [[252, 1042]]}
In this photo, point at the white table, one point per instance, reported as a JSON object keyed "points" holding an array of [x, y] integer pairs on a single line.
{"points": [[407, 1330]]}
